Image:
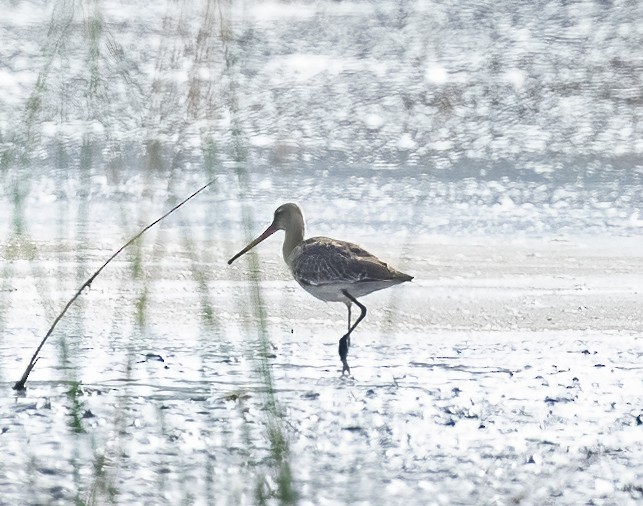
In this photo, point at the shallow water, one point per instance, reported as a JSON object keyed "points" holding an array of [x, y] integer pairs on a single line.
{"points": [[518, 382], [493, 152]]}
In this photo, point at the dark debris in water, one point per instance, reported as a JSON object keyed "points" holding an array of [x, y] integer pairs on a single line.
{"points": [[237, 396], [634, 488], [50, 471], [92, 391], [57, 492], [152, 357], [459, 412], [554, 400], [354, 428]]}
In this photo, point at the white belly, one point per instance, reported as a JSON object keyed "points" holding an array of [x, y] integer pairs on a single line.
{"points": [[332, 292]]}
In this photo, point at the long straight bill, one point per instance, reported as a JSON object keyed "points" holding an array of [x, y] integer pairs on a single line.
{"points": [[269, 231]]}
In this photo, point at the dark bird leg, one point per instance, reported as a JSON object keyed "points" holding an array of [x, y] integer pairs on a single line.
{"points": [[345, 341]]}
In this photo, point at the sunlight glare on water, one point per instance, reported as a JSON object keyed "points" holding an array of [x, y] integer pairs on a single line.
{"points": [[493, 151]]}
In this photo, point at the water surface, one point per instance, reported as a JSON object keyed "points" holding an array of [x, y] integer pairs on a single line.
{"points": [[494, 152]]}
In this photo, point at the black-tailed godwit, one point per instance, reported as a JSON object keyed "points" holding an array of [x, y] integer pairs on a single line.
{"points": [[331, 270]]}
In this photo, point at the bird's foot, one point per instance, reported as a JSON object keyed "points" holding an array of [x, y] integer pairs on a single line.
{"points": [[344, 343]]}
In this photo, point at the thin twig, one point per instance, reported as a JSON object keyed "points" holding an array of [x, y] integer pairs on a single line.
{"points": [[20, 385]]}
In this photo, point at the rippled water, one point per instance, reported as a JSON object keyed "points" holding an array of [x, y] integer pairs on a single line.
{"points": [[494, 152]]}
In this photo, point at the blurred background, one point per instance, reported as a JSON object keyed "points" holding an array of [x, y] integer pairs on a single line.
{"points": [[439, 117]]}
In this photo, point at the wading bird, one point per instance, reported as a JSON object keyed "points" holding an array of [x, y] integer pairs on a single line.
{"points": [[331, 270]]}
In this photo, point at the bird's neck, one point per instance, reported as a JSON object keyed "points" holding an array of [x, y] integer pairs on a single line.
{"points": [[294, 236]]}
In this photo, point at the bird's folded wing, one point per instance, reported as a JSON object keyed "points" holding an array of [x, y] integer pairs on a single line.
{"points": [[320, 262]]}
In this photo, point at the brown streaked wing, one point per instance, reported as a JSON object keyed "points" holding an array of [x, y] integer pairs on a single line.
{"points": [[322, 261]]}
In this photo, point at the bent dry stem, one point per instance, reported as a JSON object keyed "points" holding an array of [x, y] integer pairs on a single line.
{"points": [[20, 385]]}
